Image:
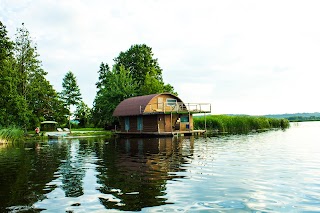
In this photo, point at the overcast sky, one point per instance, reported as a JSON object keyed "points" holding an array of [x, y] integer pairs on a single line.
{"points": [[243, 57]]}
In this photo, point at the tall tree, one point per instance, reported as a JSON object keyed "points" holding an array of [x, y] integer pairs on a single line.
{"points": [[118, 86], [97, 116], [28, 63], [33, 86], [13, 107], [103, 73], [70, 93], [143, 68], [134, 73]]}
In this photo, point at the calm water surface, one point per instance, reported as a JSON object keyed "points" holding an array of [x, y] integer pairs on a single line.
{"points": [[275, 171]]}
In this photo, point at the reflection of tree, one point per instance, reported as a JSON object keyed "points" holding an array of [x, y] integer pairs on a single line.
{"points": [[137, 171], [72, 170], [24, 172]]}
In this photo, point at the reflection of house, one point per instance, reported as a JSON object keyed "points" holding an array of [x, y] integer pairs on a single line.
{"points": [[158, 114]]}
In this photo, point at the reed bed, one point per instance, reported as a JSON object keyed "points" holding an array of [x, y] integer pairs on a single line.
{"points": [[238, 124], [11, 134]]}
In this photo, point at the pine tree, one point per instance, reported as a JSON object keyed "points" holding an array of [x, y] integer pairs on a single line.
{"points": [[70, 94]]}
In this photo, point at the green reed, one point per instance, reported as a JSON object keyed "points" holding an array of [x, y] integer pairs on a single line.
{"points": [[11, 133], [238, 124]]}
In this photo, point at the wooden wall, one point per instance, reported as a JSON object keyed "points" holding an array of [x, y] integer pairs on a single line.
{"points": [[154, 106], [151, 123]]}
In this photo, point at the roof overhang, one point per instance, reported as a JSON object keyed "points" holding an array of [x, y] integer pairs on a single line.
{"points": [[49, 122]]}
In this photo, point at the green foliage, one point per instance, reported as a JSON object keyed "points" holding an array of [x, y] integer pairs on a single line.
{"points": [[71, 92], [103, 73], [134, 73], [11, 133], [83, 114], [13, 105], [144, 69], [238, 124], [118, 86], [26, 97]]}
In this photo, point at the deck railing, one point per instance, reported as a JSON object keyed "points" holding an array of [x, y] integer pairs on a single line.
{"points": [[178, 107]]}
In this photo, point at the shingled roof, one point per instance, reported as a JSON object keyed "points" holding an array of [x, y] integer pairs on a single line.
{"points": [[131, 106]]}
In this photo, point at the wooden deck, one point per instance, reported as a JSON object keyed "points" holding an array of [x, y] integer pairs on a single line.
{"points": [[162, 134]]}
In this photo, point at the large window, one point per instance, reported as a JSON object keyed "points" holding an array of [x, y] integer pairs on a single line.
{"points": [[126, 123], [171, 102], [140, 123]]}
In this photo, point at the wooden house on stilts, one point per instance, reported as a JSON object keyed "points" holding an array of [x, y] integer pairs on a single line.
{"points": [[158, 114]]}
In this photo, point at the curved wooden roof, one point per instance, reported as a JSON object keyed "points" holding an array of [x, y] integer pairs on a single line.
{"points": [[131, 106]]}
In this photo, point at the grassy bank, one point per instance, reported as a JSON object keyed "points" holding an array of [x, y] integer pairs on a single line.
{"points": [[238, 124], [11, 134]]}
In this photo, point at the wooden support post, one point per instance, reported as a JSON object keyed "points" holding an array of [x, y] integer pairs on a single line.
{"points": [[171, 121], [205, 122], [189, 122]]}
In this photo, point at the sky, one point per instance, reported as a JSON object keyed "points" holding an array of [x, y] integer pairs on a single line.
{"points": [[244, 57]]}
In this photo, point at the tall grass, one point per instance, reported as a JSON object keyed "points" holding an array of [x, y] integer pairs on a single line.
{"points": [[11, 134], [238, 124]]}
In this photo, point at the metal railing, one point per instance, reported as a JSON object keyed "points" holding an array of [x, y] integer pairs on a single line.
{"points": [[178, 107]]}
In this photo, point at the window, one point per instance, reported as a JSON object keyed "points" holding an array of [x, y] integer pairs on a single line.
{"points": [[126, 123], [185, 119], [171, 102], [140, 123]]}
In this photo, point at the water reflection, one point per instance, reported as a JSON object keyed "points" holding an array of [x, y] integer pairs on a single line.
{"points": [[137, 171], [92, 174], [24, 172], [274, 171]]}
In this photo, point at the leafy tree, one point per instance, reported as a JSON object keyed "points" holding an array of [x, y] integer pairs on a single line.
{"points": [[32, 84], [134, 73], [13, 107], [103, 72], [97, 117], [83, 114], [26, 97], [28, 64], [70, 94], [44, 101], [143, 68], [119, 85]]}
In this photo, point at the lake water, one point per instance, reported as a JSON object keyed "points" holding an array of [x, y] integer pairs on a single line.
{"points": [[275, 171]]}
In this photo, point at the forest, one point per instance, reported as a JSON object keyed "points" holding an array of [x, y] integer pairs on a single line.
{"points": [[27, 98]]}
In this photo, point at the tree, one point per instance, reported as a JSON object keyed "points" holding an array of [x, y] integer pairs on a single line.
{"points": [[26, 97], [103, 72], [118, 85], [70, 94], [143, 68], [83, 114], [32, 84], [134, 73], [13, 107], [97, 117], [44, 101]]}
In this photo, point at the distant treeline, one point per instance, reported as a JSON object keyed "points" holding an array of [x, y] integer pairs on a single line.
{"points": [[298, 117], [238, 124]]}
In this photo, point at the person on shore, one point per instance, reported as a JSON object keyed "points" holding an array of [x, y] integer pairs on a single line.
{"points": [[37, 130]]}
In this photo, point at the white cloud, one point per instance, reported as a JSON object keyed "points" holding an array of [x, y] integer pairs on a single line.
{"points": [[247, 56]]}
